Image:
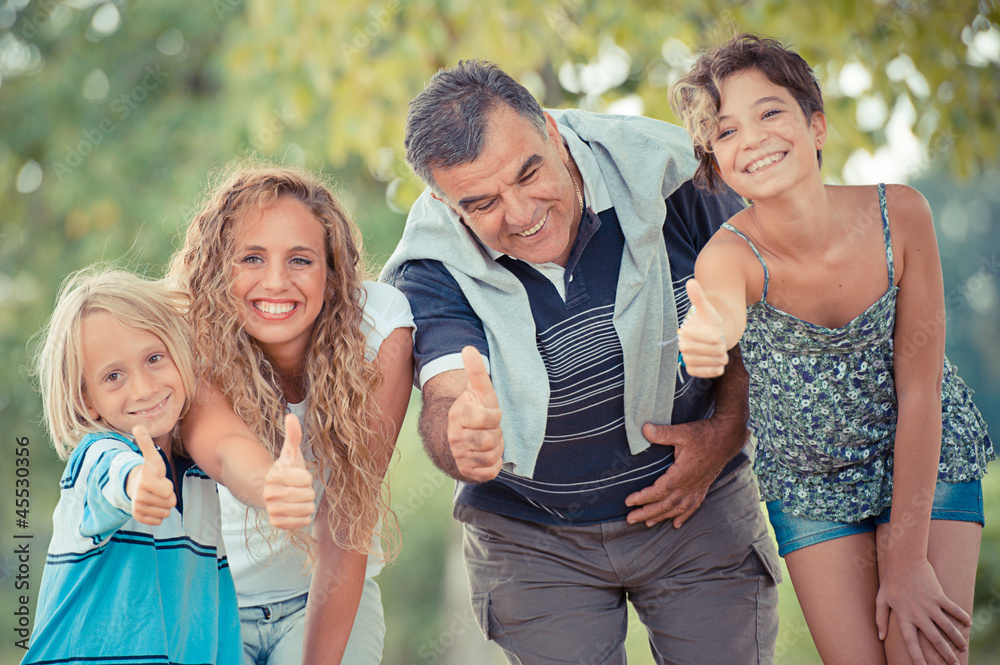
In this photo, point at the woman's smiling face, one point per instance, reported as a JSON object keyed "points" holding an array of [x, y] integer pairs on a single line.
{"points": [[280, 275]]}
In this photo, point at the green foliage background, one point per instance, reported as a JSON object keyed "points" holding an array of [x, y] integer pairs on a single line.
{"points": [[113, 114]]}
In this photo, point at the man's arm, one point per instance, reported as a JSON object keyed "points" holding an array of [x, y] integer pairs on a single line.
{"points": [[460, 422], [439, 393], [701, 450]]}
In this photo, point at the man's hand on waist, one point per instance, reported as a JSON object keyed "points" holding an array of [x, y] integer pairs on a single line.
{"points": [[699, 457]]}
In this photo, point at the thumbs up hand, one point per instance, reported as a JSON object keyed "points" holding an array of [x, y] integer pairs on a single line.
{"points": [[700, 339], [147, 485], [288, 486], [474, 432]]}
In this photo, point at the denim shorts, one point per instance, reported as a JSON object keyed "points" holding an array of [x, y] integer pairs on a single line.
{"points": [[961, 502]]}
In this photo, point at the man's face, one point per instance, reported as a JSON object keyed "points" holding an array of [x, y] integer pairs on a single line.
{"points": [[517, 196]]}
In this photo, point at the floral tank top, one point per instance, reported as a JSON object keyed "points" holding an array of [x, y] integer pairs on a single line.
{"points": [[823, 408]]}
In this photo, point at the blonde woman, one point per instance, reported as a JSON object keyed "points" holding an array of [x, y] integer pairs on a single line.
{"points": [[284, 322]]}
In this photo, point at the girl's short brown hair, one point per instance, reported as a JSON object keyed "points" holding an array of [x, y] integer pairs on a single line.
{"points": [[695, 97]]}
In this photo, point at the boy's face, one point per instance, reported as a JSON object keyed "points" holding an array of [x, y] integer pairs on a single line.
{"points": [[129, 378], [765, 145]]}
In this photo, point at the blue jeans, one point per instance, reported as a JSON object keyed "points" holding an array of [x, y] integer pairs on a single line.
{"points": [[961, 502], [273, 634]]}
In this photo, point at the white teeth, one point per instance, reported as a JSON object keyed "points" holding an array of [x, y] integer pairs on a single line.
{"points": [[767, 161], [274, 308], [534, 229], [150, 410]]}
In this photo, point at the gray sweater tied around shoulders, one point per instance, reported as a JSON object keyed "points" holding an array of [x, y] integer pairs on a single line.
{"points": [[642, 162]]}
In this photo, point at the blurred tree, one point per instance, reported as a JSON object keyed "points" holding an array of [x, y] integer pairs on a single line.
{"points": [[966, 215], [112, 115], [354, 66]]}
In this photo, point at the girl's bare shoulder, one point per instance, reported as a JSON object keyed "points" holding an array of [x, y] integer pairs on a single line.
{"points": [[728, 254], [908, 204], [738, 221], [908, 210], [902, 201], [727, 243]]}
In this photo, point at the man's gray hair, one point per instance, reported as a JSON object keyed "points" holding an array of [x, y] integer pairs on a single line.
{"points": [[447, 122]]}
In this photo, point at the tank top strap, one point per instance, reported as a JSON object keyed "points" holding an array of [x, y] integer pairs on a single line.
{"points": [[767, 275], [885, 233]]}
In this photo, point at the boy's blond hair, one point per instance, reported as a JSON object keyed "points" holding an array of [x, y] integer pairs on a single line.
{"points": [[134, 302]]}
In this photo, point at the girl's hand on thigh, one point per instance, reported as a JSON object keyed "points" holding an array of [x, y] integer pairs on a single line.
{"points": [[920, 606]]}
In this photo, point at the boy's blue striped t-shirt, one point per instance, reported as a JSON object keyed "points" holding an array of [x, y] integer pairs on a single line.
{"points": [[115, 590]]}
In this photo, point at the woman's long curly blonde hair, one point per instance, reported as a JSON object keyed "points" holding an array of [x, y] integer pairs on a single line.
{"points": [[340, 382]]}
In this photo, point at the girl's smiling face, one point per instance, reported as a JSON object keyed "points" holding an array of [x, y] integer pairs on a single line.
{"points": [[765, 145], [280, 276]]}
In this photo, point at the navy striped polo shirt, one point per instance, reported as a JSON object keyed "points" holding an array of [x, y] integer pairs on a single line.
{"points": [[585, 469]]}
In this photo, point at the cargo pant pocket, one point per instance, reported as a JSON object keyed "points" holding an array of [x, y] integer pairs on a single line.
{"points": [[767, 554], [481, 610]]}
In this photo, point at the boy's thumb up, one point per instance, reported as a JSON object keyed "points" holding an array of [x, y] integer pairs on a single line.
{"points": [[152, 494], [151, 459]]}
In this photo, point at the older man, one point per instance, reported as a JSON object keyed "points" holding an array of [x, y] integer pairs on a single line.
{"points": [[556, 246]]}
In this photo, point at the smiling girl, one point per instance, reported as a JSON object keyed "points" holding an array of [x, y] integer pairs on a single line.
{"points": [[835, 296], [284, 322]]}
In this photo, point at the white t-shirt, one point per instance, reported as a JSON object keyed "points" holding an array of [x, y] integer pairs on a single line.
{"points": [[272, 573]]}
